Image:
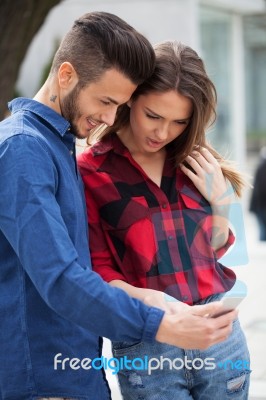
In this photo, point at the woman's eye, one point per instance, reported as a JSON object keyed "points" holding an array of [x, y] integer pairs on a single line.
{"points": [[152, 116], [106, 103], [182, 122]]}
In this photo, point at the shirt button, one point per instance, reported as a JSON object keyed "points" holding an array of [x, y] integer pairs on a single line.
{"points": [[71, 152], [185, 298], [197, 363], [170, 237], [164, 205]]}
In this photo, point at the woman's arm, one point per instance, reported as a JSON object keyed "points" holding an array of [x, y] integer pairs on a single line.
{"points": [[151, 297]]}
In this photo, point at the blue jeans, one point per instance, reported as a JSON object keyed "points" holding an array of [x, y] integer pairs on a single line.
{"points": [[184, 374]]}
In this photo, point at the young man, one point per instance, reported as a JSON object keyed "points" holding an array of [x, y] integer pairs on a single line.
{"points": [[53, 308]]}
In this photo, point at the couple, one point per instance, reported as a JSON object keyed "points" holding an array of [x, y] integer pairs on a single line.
{"points": [[152, 222]]}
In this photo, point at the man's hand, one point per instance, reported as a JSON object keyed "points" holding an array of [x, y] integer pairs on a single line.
{"points": [[192, 327]]}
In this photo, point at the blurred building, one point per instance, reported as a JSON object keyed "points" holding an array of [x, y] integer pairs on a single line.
{"points": [[229, 34]]}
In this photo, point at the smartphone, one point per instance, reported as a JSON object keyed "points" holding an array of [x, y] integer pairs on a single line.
{"points": [[229, 304]]}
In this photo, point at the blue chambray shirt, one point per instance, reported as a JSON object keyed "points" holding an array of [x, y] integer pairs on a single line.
{"points": [[50, 300]]}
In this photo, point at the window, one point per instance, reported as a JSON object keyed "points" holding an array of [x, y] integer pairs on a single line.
{"points": [[216, 33]]}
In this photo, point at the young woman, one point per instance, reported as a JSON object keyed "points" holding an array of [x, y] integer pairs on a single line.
{"points": [[158, 196]]}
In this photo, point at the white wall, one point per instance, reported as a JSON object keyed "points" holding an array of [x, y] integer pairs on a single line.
{"points": [[156, 19]]}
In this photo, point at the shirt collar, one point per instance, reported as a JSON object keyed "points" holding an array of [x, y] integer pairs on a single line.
{"points": [[108, 143], [59, 123]]}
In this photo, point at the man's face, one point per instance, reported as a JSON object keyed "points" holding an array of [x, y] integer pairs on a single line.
{"points": [[96, 103]]}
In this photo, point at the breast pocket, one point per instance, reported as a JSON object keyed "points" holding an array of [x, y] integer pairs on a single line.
{"points": [[123, 213]]}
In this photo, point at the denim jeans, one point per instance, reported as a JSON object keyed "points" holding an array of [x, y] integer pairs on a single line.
{"points": [[184, 374]]}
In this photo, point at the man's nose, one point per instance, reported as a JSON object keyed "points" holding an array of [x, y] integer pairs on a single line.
{"points": [[109, 117]]}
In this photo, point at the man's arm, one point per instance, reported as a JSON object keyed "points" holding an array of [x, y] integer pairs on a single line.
{"points": [[31, 221], [188, 326]]}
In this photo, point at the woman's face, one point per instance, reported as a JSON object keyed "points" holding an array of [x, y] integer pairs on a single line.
{"points": [[156, 119]]}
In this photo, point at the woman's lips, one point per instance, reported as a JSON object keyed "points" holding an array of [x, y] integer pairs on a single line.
{"points": [[154, 143]]}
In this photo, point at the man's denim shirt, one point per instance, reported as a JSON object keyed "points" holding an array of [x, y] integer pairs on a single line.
{"points": [[50, 300]]}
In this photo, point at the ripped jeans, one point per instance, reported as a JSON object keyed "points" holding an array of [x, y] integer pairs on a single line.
{"points": [[221, 372]]}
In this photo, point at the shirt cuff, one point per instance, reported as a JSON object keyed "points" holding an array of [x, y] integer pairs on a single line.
{"points": [[153, 321]]}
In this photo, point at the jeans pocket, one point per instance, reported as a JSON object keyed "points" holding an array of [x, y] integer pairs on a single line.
{"points": [[238, 384], [121, 349]]}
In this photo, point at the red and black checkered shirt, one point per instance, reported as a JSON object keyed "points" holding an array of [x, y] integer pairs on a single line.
{"points": [[150, 236]]}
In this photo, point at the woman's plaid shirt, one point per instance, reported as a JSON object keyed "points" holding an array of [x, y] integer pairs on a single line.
{"points": [[150, 236]]}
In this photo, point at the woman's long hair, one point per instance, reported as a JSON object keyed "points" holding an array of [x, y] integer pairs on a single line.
{"points": [[178, 67]]}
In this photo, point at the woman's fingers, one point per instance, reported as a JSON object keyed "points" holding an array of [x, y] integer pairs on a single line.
{"points": [[205, 172], [202, 161]]}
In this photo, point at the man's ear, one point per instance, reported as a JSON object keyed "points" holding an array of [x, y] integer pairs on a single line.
{"points": [[67, 76]]}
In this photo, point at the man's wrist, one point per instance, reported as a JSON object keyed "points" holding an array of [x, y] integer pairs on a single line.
{"points": [[165, 329]]}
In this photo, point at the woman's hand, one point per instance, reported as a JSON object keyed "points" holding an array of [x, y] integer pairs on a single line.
{"points": [[207, 176], [151, 297], [163, 301]]}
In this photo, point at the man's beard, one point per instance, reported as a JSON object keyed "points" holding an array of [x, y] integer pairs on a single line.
{"points": [[70, 110]]}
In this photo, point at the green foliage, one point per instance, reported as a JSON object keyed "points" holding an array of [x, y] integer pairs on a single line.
{"points": [[257, 134], [256, 139]]}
